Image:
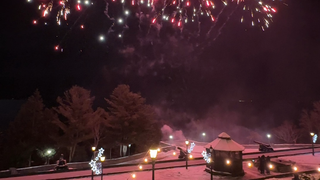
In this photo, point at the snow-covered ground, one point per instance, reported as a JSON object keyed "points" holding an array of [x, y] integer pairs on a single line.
{"points": [[303, 162]]}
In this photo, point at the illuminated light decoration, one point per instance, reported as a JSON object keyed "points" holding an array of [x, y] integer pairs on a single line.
{"points": [[120, 36], [140, 167], [29, 1], [174, 2], [82, 26], [56, 48], [79, 1], [126, 12], [170, 137], [35, 22], [120, 20], [86, 2], [132, 2], [101, 38], [191, 147], [179, 23], [78, 7], [319, 169], [93, 163], [188, 3], [174, 153], [270, 166], [249, 164], [314, 138], [133, 176], [172, 20], [295, 168], [190, 157], [158, 149], [145, 160], [206, 156], [228, 161]]}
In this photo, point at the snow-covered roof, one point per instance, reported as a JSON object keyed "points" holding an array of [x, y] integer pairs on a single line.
{"points": [[225, 143]]}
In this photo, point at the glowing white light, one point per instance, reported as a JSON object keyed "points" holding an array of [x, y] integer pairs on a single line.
{"points": [[120, 36], [120, 20], [206, 156], [28, 0], [191, 147], [101, 38], [171, 137], [126, 12], [133, 176], [86, 2], [79, 1], [314, 138]]}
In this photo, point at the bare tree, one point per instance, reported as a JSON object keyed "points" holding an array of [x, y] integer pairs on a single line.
{"points": [[310, 120], [287, 132]]}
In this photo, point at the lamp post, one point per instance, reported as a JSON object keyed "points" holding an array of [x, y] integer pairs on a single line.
{"points": [[153, 155], [187, 143], [129, 148], [312, 143], [93, 150], [269, 136], [102, 158], [211, 162], [48, 155]]}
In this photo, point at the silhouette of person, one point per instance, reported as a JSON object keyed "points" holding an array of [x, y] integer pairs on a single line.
{"points": [[268, 164], [262, 164], [258, 163]]}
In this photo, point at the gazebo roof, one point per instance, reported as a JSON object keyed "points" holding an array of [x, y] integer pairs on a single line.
{"points": [[225, 143]]}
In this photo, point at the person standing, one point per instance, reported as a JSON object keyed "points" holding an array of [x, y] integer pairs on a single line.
{"points": [[267, 165], [262, 164]]}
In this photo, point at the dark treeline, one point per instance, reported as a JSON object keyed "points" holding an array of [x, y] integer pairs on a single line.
{"points": [[40, 133]]}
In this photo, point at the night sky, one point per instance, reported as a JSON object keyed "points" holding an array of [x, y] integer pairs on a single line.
{"points": [[275, 73]]}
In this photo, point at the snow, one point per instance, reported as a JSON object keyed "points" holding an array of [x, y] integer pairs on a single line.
{"points": [[303, 162], [225, 143]]}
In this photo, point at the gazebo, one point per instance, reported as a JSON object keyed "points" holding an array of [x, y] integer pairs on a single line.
{"points": [[226, 155]]}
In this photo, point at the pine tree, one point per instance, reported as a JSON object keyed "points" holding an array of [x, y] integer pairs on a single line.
{"points": [[133, 120], [30, 130], [76, 118]]}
